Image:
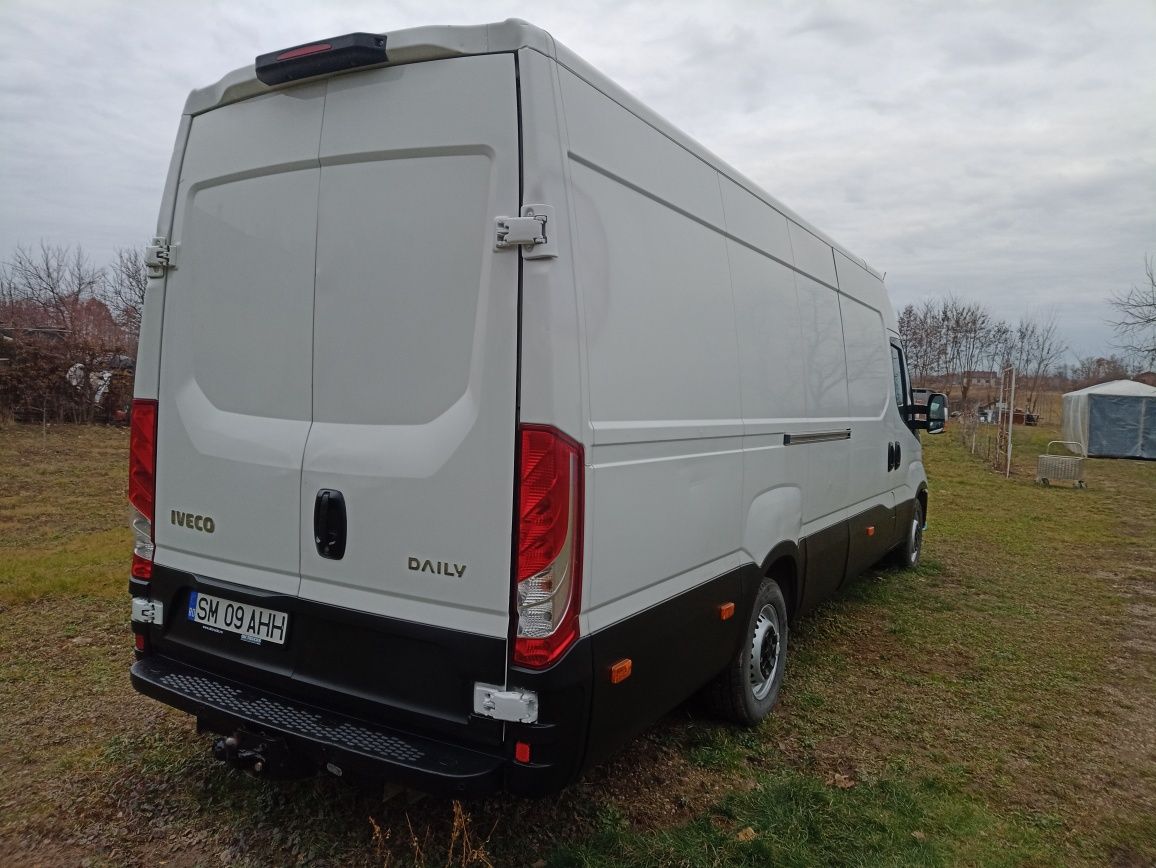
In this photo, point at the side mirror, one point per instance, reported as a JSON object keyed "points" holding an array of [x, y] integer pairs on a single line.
{"points": [[930, 417], [936, 413]]}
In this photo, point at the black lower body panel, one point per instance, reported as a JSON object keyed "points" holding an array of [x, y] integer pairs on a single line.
{"points": [[375, 696], [324, 719], [325, 738], [408, 676], [675, 648]]}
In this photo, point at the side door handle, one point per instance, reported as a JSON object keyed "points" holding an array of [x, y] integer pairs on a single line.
{"points": [[329, 524], [890, 456], [898, 454]]}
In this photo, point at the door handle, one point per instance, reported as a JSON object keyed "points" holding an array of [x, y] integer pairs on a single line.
{"points": [[898, 454], [890, 456], [329, 524]]}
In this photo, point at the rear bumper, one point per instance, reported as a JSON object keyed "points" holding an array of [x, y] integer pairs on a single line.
{"points": [[351, 689], [328, 740], [342, 673]]}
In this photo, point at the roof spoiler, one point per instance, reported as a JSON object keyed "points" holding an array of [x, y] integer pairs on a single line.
{"points": [[319, 58]]}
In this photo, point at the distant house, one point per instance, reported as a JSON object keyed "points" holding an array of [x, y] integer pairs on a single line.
{"points": [[1148, 378], [942, 382], [980, 379]]}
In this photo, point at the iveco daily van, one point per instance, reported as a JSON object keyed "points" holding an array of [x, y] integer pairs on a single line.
{"points": [[482, 417]]}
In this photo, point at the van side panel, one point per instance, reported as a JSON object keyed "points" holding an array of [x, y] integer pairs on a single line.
{"points": [[863, 286], [662, 360], [869, 387], [551, 380], [771, 369], [900, 485], [812, 255], [828, 462]]}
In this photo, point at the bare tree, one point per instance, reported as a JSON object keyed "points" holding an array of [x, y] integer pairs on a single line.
{"points": [[969, 340], [1003, 346], [1043, 350], [52, 281], [58, 333], [923, 333], [949, 340], [1091, 370], [124, 288], [1136, 327]]}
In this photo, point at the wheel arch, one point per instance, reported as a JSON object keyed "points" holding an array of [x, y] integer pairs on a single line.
{"points": [[784, 564]]}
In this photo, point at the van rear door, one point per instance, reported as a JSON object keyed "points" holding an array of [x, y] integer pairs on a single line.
{"points": [[237, 336], [415, 347]]}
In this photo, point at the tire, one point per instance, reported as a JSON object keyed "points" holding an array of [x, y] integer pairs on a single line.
{"points": [[906, 555], [747, 690]]}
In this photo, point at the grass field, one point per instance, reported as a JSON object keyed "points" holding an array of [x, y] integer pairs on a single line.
{"points": [[998, 706]]}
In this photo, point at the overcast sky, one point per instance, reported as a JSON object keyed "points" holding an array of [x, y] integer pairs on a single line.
{"points": [[1002, 151]]}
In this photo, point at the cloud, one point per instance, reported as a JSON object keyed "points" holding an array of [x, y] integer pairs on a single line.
{"points": [[1006, 152], [832, 27]]}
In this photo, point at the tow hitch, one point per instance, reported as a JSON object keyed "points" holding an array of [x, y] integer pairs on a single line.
{"points": [[261, 756]]}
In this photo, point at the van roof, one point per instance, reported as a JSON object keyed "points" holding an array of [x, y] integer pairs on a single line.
{"points": [[418, 44]]}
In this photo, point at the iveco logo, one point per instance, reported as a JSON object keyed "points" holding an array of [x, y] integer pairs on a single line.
{"points": [[440, 568], [203, 523]]}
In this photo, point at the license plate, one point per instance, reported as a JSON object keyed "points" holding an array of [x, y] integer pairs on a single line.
{"points": [[251, 623]]}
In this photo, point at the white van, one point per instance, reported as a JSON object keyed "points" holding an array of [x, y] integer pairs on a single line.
{"points": [[482, 417]]}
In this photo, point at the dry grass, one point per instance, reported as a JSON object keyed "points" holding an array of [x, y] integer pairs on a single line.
{"points": [[63, 515], [996, 707]]}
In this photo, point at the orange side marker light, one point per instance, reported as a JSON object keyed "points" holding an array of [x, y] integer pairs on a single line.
{"points": [[871, 530], [620, 671], [726, 611]]}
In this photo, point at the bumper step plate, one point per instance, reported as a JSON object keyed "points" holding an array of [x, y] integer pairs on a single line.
{"points": [[330, 740]]}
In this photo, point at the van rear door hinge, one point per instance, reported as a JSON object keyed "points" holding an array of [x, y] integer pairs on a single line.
{"points": [[160, 255], [535, 232], [518, 706], [147, 611]]}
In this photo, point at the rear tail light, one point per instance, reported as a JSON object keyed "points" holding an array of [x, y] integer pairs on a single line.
{"points": [[548, 568], [142, 484]]}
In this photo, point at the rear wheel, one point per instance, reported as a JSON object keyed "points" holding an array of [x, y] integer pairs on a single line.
{"points": [[747, 690], [907, 554]]}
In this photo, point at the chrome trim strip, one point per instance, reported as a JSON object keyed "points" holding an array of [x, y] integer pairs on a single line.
{"points": [[816, 437]]}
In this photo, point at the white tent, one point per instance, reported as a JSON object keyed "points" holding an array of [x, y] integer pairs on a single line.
{"points": [[1113, 420]]}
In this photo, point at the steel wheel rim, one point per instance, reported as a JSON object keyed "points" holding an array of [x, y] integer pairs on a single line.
{"points": [[916, 539], [765, 652]]}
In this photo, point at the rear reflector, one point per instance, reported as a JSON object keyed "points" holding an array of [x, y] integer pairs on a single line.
{"points": [[319, 58], [548, 566], [142, 565], [142, 484]]}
